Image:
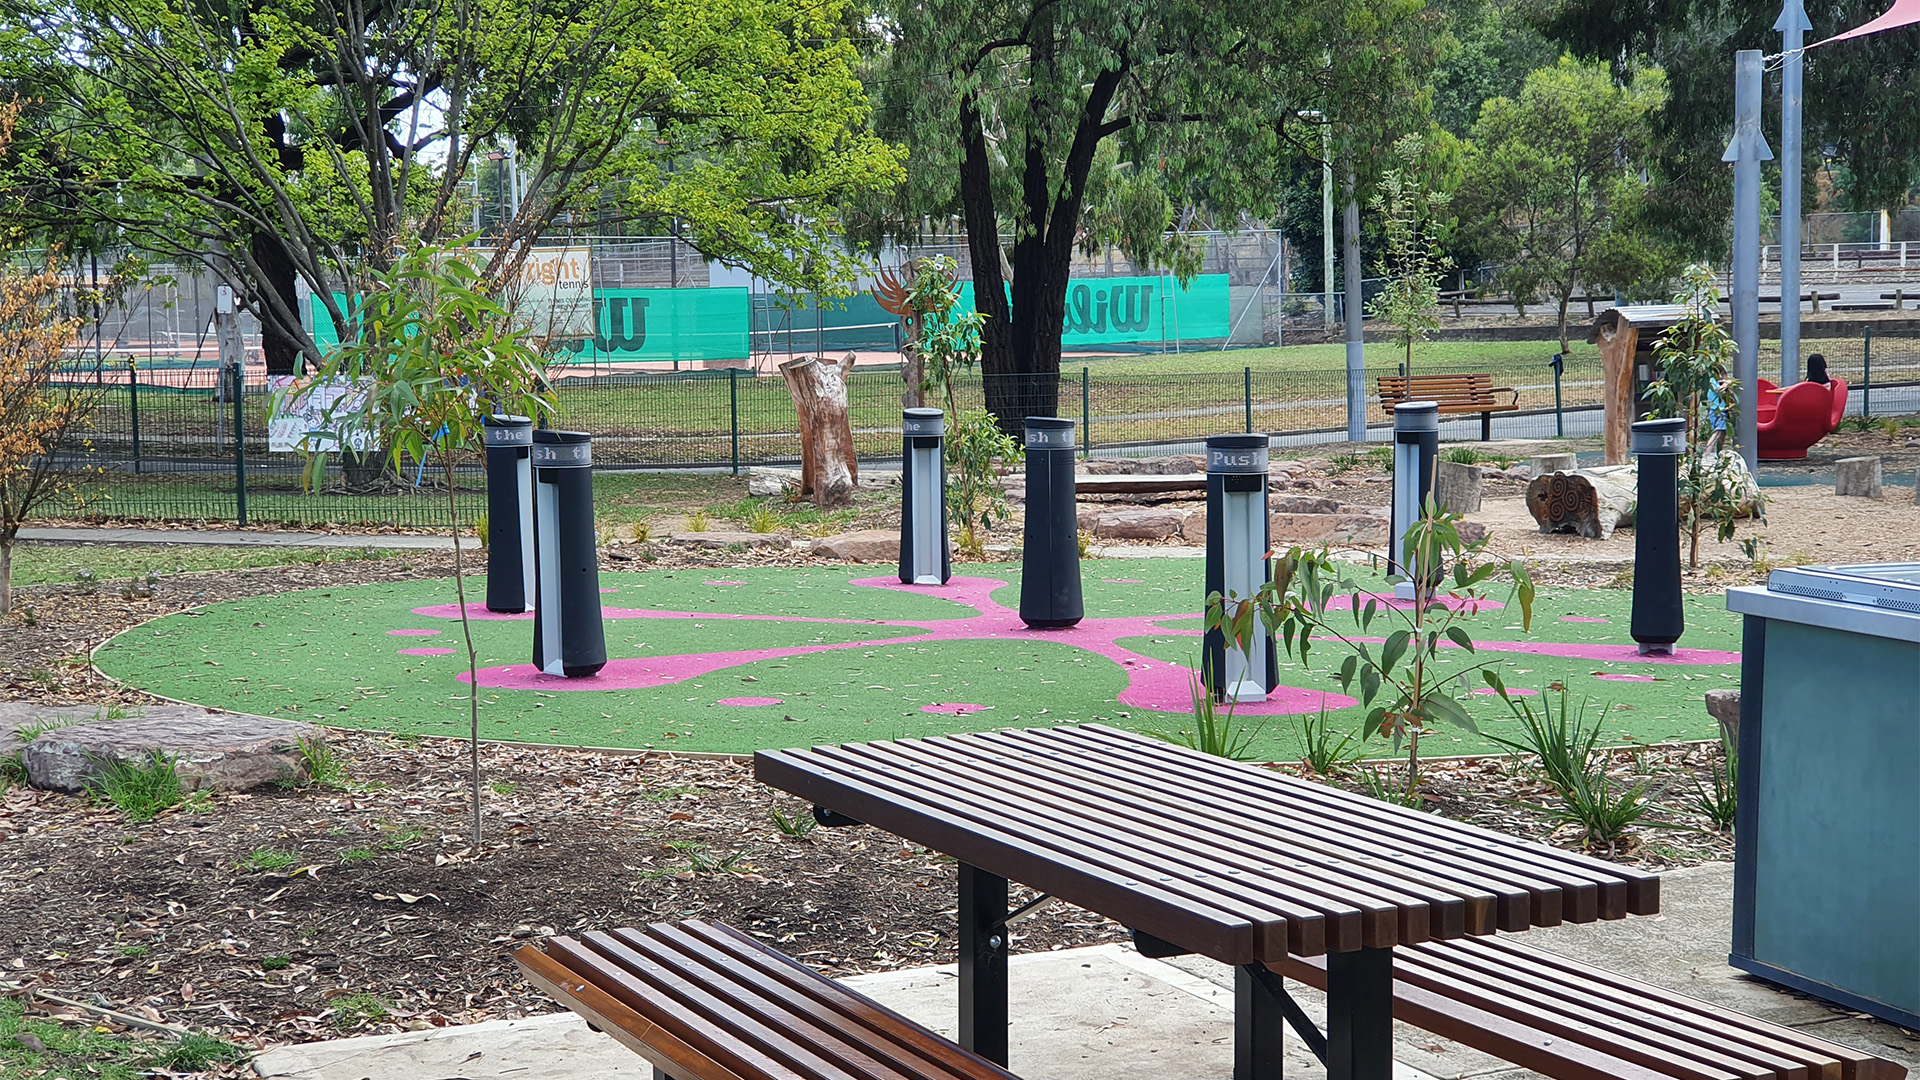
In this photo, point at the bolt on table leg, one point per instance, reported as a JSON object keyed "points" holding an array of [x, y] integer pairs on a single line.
{"points": [[983, 963]]}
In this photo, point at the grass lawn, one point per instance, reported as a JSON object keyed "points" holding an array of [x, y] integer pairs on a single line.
{"points": [[743, 659], [42, 564]]}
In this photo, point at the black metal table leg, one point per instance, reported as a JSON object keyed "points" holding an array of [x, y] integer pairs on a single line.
{"points": [[1259, 1019], [1360, 1015], [983, 963]]}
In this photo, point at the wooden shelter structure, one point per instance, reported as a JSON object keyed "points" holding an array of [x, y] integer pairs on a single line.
{"points": [[1626, 336]]}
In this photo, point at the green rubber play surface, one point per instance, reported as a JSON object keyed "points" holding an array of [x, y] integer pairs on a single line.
{"points": [[739, 660]]}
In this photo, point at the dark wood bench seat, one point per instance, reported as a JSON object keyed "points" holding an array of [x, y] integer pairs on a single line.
{"points": [[702, 1001], [1570, 1021], [1472, 393]]}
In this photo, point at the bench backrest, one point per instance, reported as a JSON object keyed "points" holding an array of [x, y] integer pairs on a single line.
{"points": [[1445, 389]]}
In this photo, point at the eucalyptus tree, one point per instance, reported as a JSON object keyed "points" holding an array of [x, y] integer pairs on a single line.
{"points": [[1862, 98], [284, 140], [1010, 109]]}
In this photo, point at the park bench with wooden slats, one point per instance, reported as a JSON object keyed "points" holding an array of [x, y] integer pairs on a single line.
{"points": [[1474, 393], [702, 1001], [1570, 1021]]}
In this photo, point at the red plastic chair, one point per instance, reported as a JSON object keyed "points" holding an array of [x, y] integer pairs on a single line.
{"points": [[1803, 417], [1839, 390]]}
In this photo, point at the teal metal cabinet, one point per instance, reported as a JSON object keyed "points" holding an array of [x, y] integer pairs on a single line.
{"points": [[1827, 858]]}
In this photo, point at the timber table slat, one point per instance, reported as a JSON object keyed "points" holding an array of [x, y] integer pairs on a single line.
{"points": [[1230, 861], [1425, 910], [1222, 935], [1225, 813], [1272, 915], [1144, 845], [1598, 889]]}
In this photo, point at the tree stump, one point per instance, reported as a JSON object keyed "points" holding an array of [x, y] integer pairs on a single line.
{"points": [[1591, 502], [1857, 476], [1456, 487], [1543, 464], [828, 468]]}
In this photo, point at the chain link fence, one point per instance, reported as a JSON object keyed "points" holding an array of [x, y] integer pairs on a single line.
{"points": [[189, 453]]}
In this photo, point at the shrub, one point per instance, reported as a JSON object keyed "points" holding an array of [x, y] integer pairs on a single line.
{"points": [[138, 790]]}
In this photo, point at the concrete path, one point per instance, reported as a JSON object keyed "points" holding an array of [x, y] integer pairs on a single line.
{"points": [[246, 538], [1079, 1014], [1094, 1013]]}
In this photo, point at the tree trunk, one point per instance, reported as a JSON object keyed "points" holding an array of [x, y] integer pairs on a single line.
{"points": [[828, 466], [1591, 502], [282, 351], [1020, 343], [1565, 298], [6, 576]]}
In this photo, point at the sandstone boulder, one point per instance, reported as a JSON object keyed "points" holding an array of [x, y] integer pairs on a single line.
{"points": [[211, 750], [1724, 706], [861, 546], [1132, 522], [1354, 529]]}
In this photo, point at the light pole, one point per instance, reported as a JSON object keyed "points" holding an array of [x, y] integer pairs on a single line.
{"points": [[1792, 25], [1747, 150]]}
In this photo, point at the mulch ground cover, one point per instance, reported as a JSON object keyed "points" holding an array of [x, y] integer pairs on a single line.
{"points": [[288, 915], [292, 915]]}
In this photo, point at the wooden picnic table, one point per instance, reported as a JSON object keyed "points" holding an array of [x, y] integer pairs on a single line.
{"points": [[1201, 855]]}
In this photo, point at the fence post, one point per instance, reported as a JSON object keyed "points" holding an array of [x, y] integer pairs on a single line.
{"points": [[1086, 416], [239, 443], [1866, 374], [1248, 373], [1558, 364], [733, 409], [133, 409]]}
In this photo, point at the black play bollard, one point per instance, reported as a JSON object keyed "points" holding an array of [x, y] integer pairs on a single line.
{"points": [[568, 638], [1416, 444], [1658, 619], [510, 573], [1050, 596], [1237, 563], [923, 499]]}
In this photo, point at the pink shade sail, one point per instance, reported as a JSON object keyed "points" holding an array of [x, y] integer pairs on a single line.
{"points": [[1902, 13]]}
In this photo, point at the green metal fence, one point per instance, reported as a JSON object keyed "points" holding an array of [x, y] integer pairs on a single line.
{"points": [[200, 453]]}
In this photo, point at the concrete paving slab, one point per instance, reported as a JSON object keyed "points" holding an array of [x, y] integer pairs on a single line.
{"points": [[247, 538], [557, 1046], [1079, 1014]]}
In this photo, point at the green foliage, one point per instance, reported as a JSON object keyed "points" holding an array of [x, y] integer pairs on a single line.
{"points": [[140, 791], [262, 859], [976, 448], [1409, 204], [1212, 732], [944, 338], [1375, 781], [354, 1010], [434, 356], [276, 962], [700, 860], [1043, 120], [1322, 752], [228, 134], [698, 521], [197, 1053], [1403, 685], [1718, 801], [325, 769], [1561, 741], [763, 519], [798, 827], [1694, 358], [357, 855], [1554, 189], [1571, 764]]}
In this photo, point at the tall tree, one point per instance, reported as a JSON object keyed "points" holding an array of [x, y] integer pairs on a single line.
{"points": [[1554, 186], [1006, 105], [275, 140], [1862, 98]]}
